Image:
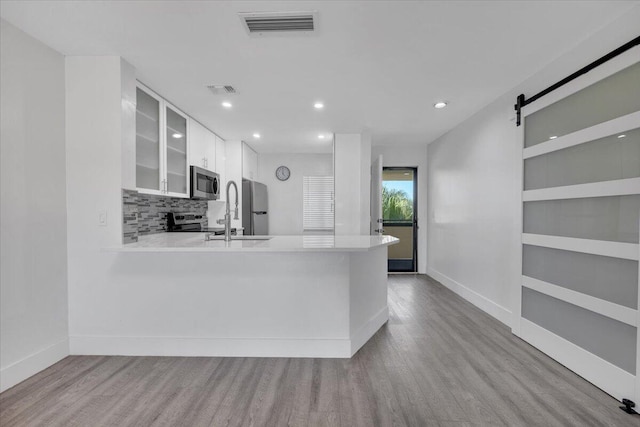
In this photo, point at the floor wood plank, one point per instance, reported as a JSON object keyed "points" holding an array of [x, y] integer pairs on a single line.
{"points": [[439, 361]]}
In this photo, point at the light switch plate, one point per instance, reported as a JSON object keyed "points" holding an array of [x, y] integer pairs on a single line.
{"points": [[102, 218]]}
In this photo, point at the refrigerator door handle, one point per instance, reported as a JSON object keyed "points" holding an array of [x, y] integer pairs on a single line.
{"points": [[260, 212]]}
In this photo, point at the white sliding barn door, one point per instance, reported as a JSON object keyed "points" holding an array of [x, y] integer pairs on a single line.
{"points": [[578, 297]]}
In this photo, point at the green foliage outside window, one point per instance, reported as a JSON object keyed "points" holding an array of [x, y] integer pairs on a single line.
{"points": [[396, 205]]}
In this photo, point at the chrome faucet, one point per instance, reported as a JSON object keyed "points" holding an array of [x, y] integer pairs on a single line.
{"points": [[227, 216]]}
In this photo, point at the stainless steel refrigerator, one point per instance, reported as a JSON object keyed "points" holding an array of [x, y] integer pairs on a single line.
{"points": [[255, 205]]}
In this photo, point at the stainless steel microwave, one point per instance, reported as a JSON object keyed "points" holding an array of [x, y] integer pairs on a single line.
{"points": [[204, 184]]}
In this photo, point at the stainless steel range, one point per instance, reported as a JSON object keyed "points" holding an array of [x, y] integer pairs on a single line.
{"points": [[191, 222]]}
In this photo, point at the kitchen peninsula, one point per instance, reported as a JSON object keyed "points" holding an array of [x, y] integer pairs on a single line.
{"points": [[287, 296], [174, 294]]}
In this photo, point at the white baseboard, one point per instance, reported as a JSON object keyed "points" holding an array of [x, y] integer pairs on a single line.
{"points": [[32, 364], [367, 330], [483, 303], [228, 347], [209, 347]]}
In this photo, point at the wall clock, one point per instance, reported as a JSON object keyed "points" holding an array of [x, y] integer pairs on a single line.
{"points": [[283, 173]]}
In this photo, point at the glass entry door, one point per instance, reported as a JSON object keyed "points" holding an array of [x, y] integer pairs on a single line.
{"points": [[399, 202]]}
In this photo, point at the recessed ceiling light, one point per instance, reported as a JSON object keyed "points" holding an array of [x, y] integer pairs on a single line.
{"points": [[177, 135], [318, 105], [553, 137], [321, 136], [256, 135], [440, 104], [622, 136], [226, 104]]}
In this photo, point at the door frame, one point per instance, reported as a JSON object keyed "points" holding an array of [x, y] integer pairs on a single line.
{"points": [[414, 262]]}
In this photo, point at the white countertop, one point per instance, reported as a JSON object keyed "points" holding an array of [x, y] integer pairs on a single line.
{"points": [[194, 242]]}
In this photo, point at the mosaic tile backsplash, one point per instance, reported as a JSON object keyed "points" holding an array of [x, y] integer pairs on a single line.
{"points": [[147, 214]]}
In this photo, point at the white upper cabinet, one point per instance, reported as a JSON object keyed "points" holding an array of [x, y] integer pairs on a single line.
{"points": [[196, 144], [177, 177], [249, 162], [162, 143], [220, 168], [149, 173], [202, 146]]}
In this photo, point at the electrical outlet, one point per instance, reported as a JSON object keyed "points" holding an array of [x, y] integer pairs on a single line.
{"points": [[102, 218]]}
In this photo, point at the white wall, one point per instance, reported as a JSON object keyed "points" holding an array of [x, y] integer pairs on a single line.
{"points": [[352, 177], [365, 183], [474, 185], [411, 156], [97, 89], [285, 197], [33, 224]]}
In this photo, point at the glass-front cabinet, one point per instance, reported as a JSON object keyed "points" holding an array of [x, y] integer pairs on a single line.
{"points": [[148, 175], [176, 151], [161, 146]]}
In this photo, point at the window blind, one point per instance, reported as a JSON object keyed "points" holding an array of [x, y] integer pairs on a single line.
{"points": [[318, 202]]}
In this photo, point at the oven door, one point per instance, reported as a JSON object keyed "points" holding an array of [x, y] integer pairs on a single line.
{"points": [[204, 184]]}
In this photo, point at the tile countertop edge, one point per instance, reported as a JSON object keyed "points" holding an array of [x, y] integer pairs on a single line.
{"points": [[191, 244]]}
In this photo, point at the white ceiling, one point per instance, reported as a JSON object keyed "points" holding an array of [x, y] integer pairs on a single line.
{"points": [[377, 66]]}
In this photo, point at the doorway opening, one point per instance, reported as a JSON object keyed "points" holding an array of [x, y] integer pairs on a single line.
{"points": [[399, 210]]}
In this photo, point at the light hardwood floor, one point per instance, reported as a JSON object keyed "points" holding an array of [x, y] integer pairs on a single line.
{"points": [[438, 362]]}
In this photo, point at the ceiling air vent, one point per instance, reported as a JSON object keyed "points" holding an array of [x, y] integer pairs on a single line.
{"points": [[262, 23], [221, 89]]}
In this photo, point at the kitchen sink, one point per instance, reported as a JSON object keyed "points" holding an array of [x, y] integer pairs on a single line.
{"points": [[221, 237]]}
